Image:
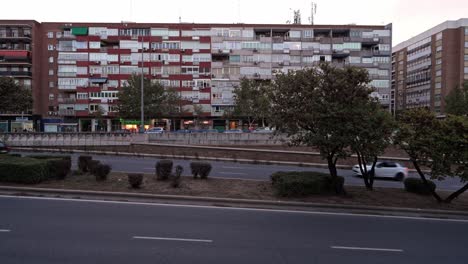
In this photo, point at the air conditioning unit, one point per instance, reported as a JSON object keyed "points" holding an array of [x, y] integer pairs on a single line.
{"points": [[281, 63], [220, 51], [195, 88], [255, 50], [182, 50], [50, 113], [255, 62], [256, 75], [165, 37], [97, 62]]}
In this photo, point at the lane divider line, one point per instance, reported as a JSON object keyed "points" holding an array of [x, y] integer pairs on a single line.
{"points": [[174, 239], [4, 230], [368, 249]]}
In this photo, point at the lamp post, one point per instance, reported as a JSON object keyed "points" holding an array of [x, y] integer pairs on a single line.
{"points": [[142, 116]]}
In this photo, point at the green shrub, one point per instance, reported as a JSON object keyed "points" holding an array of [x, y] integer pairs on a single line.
{"points": [[23, 170], [83, 163], [59, 166], [135, 180], [101, 171], [294, 183], [163, 169], [200, 168], [416, 185], [14, 155], [92, 165], [175, 179]]}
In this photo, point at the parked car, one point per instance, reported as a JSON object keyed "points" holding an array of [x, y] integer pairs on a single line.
{"points": [[122, 131], [233, 131], [4, 148], [205, 131], [183, 131], [263, 130], [155, 130], [385, 169]]}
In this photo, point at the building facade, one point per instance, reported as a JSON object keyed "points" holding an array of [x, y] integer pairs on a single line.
{"points": [[79, 68], [427, 67]]}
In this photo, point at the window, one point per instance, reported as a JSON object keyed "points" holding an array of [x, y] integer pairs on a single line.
{"points": [[59, 34], [51, 72], [439, 61], [51, 59], [466, 69], [438, 85], [308, 33], [439, 49], [466, 44], [51, 84], [439, 36], [50, 35], [50, 47], [439, 73], [51, 97]]}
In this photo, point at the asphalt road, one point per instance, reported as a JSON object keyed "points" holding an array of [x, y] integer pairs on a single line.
{"points": [[243, 171], [41, 230]]}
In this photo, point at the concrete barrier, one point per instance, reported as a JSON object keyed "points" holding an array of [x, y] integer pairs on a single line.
{"points": [[217, 138], [70, 139]]}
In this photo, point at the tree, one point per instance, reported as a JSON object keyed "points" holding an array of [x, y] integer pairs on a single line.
{"points": [[372, 135], [440, 145], [251, 101], [15, 99], [456, 102], [316, 107], [158, 101]]}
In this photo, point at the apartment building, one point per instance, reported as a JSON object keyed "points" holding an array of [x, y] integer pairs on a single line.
{"points": [[428, 66], [83, 66]]}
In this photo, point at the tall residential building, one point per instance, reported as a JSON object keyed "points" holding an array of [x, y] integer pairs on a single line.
{"points": [[81, 67], [428, 66]]}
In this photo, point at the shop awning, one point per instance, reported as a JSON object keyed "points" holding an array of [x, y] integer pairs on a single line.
{"points": [[80, 31]]}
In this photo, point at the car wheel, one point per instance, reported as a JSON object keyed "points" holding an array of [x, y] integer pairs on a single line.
{"points": [[399, 176]]}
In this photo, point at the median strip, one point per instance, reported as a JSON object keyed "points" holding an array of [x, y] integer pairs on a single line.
{"points": [[174, 239], [233, 173], [368, 249]]}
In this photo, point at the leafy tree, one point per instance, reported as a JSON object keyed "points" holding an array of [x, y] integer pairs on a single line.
{"points": [[251, 101], [158, 101], [14, 98], [372, 135], [440, 145], [316, 107], [456, 102]]}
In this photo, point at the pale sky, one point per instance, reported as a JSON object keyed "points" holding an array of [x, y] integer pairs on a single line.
{"points": [[409, 17]]}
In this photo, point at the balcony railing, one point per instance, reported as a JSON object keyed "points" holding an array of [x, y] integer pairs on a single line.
{"points": [[16, 73], [67, 112]]}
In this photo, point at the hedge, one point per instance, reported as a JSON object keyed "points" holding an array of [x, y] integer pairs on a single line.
{"points": [[24, 170], [59, 166], [416, 185], [83, 163], [304, 183], [200, 168], [163, 169]]}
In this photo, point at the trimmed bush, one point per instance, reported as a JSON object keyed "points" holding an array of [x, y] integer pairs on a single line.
{"points": [[416, 185], [92, 165], [175, 179], [200, 168], [289, 184], [101, 171], [59, 166], [163, 169], [135, 180], [17, 155], [83, 163], [24, 170]]}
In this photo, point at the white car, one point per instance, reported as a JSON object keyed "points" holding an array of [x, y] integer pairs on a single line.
{"points": [[385, 169], [155, 130]]}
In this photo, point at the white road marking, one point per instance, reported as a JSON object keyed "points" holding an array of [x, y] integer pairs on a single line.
{"points": [[368, 249], [234, 173], [238, 168], [174, 239], [238, 208], [4, 230]]}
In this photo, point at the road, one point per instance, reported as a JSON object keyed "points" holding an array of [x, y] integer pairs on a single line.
{"points": [[242, 171], [41, 230]]}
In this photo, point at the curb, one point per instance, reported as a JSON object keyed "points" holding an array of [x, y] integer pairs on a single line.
{"points": [[233, 202]]}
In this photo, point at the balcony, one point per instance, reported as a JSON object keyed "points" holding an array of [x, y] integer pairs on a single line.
{"points": [[16, 74], [67, 112], [15, 36], [67, 100]]}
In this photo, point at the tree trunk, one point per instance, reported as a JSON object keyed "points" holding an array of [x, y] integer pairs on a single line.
{"points": [[363, 170], [423, 178], [332, 167], [456, 194], [372, 172]]}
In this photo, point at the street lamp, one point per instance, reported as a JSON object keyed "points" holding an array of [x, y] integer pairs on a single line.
{"points": [[142, 116]]}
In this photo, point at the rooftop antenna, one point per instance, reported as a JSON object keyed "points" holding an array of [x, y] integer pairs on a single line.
{"points": [[313, 11], [297, 17]]}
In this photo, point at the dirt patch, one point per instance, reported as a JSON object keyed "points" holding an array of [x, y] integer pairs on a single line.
{"points": [[259, 190]]}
